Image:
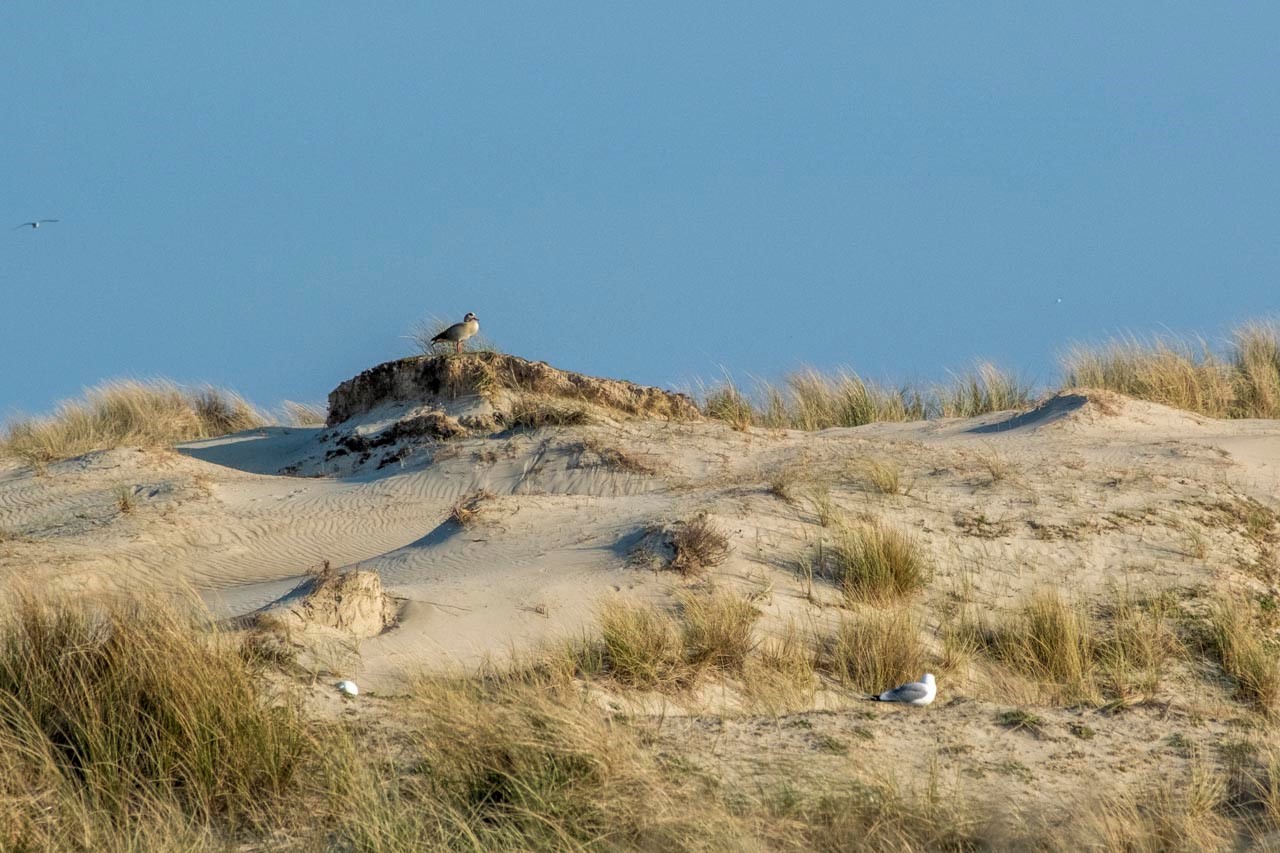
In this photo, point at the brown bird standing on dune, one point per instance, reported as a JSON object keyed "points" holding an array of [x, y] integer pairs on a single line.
{"points": [[459, 332]]}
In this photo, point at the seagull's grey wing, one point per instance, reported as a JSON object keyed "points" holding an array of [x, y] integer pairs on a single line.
{"points": [[906, 693], [50, 220], [23, 225]]}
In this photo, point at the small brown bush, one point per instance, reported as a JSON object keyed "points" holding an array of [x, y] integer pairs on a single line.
{"points": [[466, 512], [699, 544]]}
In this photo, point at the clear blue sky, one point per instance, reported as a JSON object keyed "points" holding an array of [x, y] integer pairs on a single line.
{"points": [[267, 195]]}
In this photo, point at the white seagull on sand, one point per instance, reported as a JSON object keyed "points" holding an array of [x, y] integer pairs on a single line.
{"points": [[912, 693], [459, 332], [35, 223]]}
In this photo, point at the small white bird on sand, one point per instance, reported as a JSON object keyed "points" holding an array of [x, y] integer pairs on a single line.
{"points": [[912, 693], [35, 223], [459, 332], [348, 688]]}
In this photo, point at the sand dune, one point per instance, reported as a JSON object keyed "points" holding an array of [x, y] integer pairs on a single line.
{"points": [[1081, 491], [500, 520]]}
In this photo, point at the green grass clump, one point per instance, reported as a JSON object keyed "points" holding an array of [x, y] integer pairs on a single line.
{"points": [[1018, 720], [644, 646], [1074, 657], [1052, 642]]}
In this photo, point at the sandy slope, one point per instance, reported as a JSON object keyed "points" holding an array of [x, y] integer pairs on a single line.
{"points": [[1089, 490], [1088, 493]]}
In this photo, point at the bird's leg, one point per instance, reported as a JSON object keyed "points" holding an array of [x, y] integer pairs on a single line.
{"points": [[459, 350]]}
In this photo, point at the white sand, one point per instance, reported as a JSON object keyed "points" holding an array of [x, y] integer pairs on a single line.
{"points": [[1097, 490]]}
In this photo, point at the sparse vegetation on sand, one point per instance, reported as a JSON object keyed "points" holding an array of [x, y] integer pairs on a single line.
{"points": [[1240, 381], [130, 724], [126, 413], [1233, 637], [466, 511], [811, 400], [717, 705], [1074, 657], [647, 647]]}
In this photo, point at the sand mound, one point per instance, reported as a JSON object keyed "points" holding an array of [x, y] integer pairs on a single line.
{"points": [[351, 603], [498, 378], [1085, 407], [401, 413]]}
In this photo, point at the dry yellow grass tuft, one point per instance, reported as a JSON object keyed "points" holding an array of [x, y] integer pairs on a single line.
{"points": [[1073, 657], [884, 475], [123, 717], [726, 403], [1186, 373], [642, 646], [1232, 636], [882, 814], [875, 650], [535, 412], [304, 414], [718, 630], [509, 766], [871, 561], [1181, 814], [811, 400], [126, 413], [982, 389]]}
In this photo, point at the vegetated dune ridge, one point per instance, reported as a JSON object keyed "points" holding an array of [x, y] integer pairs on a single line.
{"points": [[502, 502], [1087, 489]]}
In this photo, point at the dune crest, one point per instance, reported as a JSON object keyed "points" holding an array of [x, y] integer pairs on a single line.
{"points": [[499, 378]]}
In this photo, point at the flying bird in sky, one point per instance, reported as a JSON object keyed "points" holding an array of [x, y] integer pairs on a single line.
{"points": [[35, 223]]}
